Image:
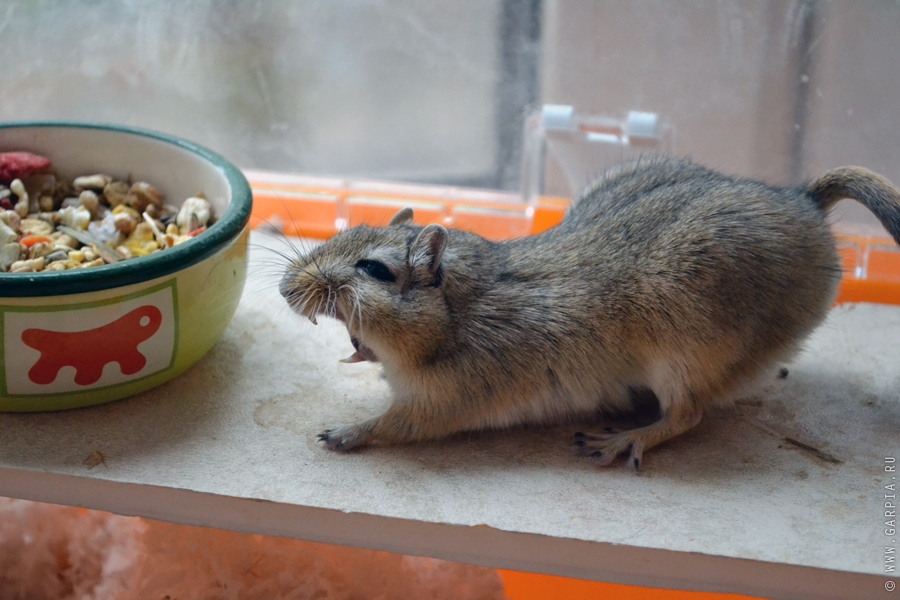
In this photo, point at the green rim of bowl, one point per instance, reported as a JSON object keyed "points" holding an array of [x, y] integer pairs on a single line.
{"points": [[144, 268]]}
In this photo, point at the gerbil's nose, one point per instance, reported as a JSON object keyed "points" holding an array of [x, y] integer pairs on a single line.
{"points": [[285, 288]]}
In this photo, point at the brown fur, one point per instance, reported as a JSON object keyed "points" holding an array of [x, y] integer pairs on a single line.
{"points": [[664, 275]]}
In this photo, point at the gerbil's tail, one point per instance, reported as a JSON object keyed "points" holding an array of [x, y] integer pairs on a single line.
{"points": [[874, 191]]}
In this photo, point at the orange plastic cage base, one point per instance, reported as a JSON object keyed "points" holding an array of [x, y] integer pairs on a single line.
{"points": [[534, 586]]}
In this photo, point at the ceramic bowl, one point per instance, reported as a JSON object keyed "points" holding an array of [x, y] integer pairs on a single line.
{"points": [[82, 337]]}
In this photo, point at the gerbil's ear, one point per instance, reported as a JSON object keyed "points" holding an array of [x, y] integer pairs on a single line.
{"points": [[405, 215], [428, 248]]}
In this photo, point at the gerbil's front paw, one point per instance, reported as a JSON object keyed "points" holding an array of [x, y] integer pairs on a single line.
{"points": [[344, 438], [605, 447]]}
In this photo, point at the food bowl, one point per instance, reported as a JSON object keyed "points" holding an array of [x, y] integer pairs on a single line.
{"points": [[111, 331]]}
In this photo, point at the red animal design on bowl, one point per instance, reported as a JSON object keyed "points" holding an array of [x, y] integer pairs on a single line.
{"points": [[91, 350]]}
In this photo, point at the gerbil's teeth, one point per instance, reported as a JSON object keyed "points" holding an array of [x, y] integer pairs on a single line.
{"points": [[353, 358], [312, 319]]}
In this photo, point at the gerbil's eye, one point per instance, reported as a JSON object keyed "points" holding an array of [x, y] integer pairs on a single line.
{"points": [[375, 269]]}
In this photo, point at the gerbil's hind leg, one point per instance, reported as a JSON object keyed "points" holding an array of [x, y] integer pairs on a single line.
{"points": [[677, 418]]}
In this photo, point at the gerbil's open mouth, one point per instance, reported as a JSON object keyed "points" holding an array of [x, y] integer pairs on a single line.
{"points": [[362, 352]]}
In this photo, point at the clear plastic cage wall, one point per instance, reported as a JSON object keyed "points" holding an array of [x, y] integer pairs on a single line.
{"points": [[425, 92]]}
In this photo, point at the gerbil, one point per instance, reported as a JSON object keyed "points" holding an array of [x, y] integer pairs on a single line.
{"points": [[663, 275]]}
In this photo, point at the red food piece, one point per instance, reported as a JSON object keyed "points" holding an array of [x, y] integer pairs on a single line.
{"points": [[15, 165], [5, 204], [30, 240], [197, 231]]}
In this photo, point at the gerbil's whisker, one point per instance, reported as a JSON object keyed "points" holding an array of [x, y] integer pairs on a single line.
{"points": [[283, 255], [356, 308], [315, 309], [305, 298], [294, 256], [275, 232], [298, 300], [359, 310], [331, 304], [348, 293]]}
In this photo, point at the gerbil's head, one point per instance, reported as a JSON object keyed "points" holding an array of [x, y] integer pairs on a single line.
{"points": [[382, 283]]}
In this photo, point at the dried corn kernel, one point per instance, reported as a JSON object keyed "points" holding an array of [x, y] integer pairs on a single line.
{"points": [[29, 265]]}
